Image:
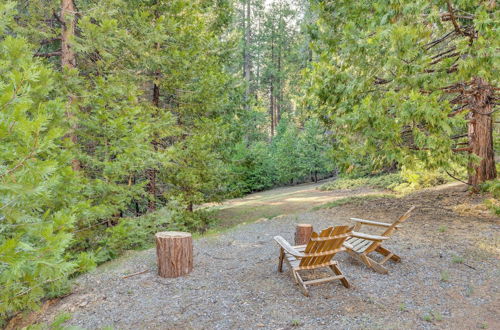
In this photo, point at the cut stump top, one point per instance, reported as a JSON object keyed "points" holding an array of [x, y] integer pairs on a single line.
{"points": [[304, 225], [172, 234]]}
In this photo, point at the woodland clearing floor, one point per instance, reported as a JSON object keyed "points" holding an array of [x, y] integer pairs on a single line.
{"points": [[448, 277]]}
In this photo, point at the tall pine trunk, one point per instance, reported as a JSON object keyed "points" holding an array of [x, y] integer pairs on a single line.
{"points": [[246, 56], [68, 61], [280, 95], [271, 89], [151, 173], [480, 132], [271, 107]]}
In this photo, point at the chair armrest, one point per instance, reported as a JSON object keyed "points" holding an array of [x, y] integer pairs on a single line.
{"points": [[300, 248], [287, 247], [373, 223], [375, 238]]}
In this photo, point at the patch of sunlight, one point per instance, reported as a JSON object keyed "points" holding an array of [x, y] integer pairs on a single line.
{"points": [[490, 246], [309, 199]]}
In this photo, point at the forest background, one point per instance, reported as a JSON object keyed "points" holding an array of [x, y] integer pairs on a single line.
{"points": [[119, 117]]}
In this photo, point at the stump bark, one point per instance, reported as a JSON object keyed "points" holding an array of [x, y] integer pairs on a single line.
{"points": [[303, 233], [174, 253]]}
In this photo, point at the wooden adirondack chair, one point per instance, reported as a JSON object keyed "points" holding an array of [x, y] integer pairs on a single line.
{"points": [[318, 253], [361, 245]]}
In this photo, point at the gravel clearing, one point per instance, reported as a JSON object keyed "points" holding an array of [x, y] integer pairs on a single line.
{"points": [[448, 278]]}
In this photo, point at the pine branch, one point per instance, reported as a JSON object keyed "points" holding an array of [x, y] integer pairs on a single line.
{"points": [[454, 177], [459, 136], [23, 161], [438, 41], [47, 55], [468, 149], [452, 17], [49, 41]]}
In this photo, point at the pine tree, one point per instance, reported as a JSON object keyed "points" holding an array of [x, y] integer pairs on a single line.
{"points": [[285, 152], [313, 150], [38, 189], [407, 82]]}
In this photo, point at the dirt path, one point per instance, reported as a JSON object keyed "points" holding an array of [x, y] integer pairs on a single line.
{"points": [[280, 201], [448, 278]]}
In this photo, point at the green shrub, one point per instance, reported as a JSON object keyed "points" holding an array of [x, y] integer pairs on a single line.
{"points": [[492, 187], [403, 182], [138, 232], [39, 200], [385, 181], [352, 199], [457, 259]]}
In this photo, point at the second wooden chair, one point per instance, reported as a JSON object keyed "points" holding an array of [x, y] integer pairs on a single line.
{"points": [[317, 253]]}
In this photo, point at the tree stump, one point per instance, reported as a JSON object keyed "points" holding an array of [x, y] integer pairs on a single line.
{"points": [[303, 233], [174, 253]]}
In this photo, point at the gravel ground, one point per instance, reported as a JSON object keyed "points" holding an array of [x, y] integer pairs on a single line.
{"points": [[448, 278]]}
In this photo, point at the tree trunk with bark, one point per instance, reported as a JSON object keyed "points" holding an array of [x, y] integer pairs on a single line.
{"points": [[68, 61], [152, 173], [303, 233], [480, 132], [174, 253], [246, 59]]}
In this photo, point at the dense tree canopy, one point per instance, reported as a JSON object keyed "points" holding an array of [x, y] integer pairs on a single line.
{"points": [[119, 118], [401, 83]]}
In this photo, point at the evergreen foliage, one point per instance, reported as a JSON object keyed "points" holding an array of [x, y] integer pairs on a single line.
{"points": [[118, 118], [39, 201], [393, 84]]}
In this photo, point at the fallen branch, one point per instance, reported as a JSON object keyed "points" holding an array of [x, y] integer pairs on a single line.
{"points": [[469, 266], [47, 55], [454, 177], [135, 274]]}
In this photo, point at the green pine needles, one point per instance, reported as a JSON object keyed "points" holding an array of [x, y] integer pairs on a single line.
{"points": [[37, 195]]}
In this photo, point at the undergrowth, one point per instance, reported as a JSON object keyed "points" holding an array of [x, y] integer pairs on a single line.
{"points": [[351, 200], [403, 182], [492, 187], [136, 233]]}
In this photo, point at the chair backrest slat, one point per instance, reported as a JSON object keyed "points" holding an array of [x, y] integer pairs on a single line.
{"points": [[328, 240], [390, 230], [401, 219]]}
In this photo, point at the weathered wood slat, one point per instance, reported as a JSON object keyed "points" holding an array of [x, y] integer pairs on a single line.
{"points": [[317, 253], [364, 236], [323, 280], [373, 223], [361, 245]]}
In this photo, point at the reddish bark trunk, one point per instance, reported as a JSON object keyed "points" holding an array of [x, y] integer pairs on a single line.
{"points": [[68, 58], [174, 254], [480, 132], [303, 233]]}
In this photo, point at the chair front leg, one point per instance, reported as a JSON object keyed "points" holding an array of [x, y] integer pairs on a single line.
{"points": [[301, 283], [388, 254], [337, 271], [282, 256], [373, 264]]}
